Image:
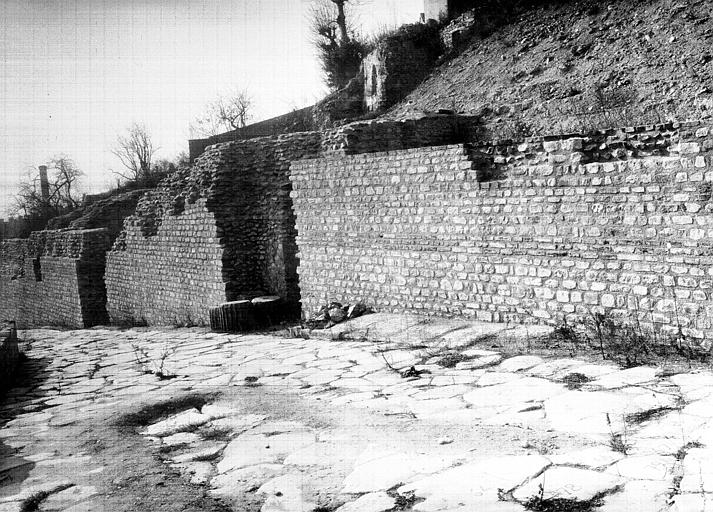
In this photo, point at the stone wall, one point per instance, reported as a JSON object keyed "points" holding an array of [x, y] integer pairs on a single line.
{"points": [[108, 212], [225, 229], [54, 278], [221, 232], [398, 64], [296, 121], [618, 222]]}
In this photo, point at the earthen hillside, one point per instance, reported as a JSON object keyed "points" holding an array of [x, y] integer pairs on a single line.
{"points": [[577, 66]]}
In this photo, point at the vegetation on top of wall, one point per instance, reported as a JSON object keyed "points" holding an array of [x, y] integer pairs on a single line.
{"points": [[421, 35]]}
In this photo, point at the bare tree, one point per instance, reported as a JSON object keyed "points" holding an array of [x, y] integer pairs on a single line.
{"points": [[227, 112], [135, 151], [62, 196]]}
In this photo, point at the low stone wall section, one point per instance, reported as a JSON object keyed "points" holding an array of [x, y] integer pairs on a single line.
{"points": [[54, 278]]}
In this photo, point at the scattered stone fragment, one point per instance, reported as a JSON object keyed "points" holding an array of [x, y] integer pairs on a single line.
{"points": [[474, 485], [238, 423], [601, 412], [528, 389], [593, 457], [372, 502], [697, 471], [644, 495], [646, 467], [551, 369], [181, 438], [238, 481], [628, 377], [519, 363], [183, 421], [375, 470], [481, 362], [567, 483], [285, 494], [251, 449], [204, 454], [494, 378], [46, 488]]}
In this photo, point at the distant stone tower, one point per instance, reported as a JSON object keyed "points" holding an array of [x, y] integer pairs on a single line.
{"points": [[44, 183]]}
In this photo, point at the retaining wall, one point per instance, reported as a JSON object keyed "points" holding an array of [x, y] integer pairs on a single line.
{"points": [[54, 278], [620, 222], [225, 229], [222, 232]]}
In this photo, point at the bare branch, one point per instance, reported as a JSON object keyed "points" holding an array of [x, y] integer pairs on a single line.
{"points": [[135, 151], [227, 112]]}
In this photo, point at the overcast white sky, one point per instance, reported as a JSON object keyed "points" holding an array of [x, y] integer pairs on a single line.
{"points": [[75, 73]]}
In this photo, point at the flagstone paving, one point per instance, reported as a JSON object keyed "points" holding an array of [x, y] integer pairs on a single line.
{"points": [[635, 439]]}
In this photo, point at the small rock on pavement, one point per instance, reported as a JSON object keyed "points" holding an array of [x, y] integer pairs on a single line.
{"points": [[372, 502]]}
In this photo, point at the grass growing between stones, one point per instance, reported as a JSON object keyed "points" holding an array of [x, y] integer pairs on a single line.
{"points": [[554, 504], [405, 501], [216, 434], [575, 380], [618, 441], [156, 366], [628, 343], [538, 504], [32, 503]]}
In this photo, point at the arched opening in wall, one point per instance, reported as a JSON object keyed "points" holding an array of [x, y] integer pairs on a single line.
{"points": [[374, 76]]}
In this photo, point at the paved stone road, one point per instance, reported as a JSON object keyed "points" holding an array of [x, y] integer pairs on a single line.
{"points": [[663, 423]]}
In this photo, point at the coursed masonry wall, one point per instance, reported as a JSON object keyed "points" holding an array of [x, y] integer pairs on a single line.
{"points": [[620, 222], [54, 278], [225, 229]]}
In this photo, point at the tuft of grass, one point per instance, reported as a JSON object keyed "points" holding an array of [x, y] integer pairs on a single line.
{"points": [[575, 380], [683, 450], [404, 501], [538, 504], [451, 359], [217, 434], [32, 503], [637, 418], [618, 440], [618, 444]]}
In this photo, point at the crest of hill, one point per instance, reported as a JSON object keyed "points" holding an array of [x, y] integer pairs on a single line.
{"points": [[578, 66]]}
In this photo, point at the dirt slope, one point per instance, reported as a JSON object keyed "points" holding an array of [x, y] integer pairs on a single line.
{"points": [[580, 65]]}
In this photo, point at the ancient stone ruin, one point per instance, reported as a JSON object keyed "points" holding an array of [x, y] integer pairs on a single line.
{"points": [[401, 216]]}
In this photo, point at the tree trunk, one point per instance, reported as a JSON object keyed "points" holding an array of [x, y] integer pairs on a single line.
{"points": [[342, 21]]}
